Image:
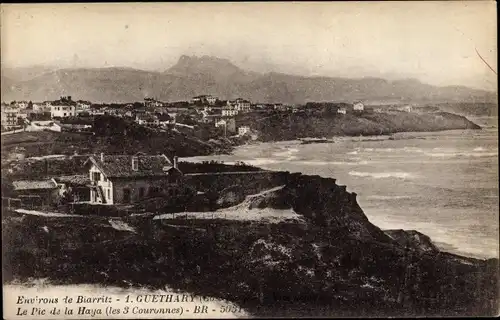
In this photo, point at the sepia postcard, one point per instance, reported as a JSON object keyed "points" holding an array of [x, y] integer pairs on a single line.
{"points": [[249, 160]]}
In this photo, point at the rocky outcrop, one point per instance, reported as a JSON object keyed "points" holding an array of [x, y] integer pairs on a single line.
{"points": [[337, 261], [412, 239]]}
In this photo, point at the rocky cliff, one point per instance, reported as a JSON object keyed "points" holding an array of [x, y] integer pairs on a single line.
{"points": [[331, 261]]}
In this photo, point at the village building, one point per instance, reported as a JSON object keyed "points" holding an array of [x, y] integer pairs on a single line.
{"points": [[9, 117], [228, 123], [152, 103], [83, 105], [342, 110], [146, 119], [76, 186], [280, 107], [240, 105], [35, 193], [211, 100], [204, 99], [358, 106], [21, 104], [229, 112], [406, 108], [118, 179], [243, 130], [39, 107], [62, 111]]}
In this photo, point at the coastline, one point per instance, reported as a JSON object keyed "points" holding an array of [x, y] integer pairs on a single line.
{"points": [[274, 162]]}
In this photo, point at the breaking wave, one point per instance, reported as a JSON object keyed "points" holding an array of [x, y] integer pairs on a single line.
{"points": [[335, 163], [262, 161], [381, 175], [376, 197], [288, 154], [462, 154]]}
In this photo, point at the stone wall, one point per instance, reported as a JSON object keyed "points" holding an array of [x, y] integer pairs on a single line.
{"points": [[251, 182]]}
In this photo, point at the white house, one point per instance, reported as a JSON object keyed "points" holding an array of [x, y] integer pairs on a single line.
{"points": [[228, 123], [211, 100], [82, 106], [406, 108], [243, 130], [342, 110], [241, 105], [21, 104], [358, 106], [229, 112], [62, 111], [204, 99], [146, 119], [40, 107], [9, 117], [119, 179]]}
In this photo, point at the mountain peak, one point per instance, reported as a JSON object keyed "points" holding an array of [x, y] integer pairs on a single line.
{"points": [[205, 64]]}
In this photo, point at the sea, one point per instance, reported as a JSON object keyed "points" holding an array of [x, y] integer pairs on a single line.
{"points": [[443, 184]]}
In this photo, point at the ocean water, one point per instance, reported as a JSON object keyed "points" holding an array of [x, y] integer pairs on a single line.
{"points": [[443, 184]]}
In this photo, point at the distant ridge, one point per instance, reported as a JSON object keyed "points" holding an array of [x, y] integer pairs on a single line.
{"points": [[192, 76]]}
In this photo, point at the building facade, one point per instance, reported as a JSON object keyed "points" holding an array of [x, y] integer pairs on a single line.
{"points": [[358, 106], [119, 179], [243, 130], [228, 123], [9, 117], [62, 111]]}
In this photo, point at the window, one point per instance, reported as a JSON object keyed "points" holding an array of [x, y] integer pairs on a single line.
{"points": [[104, 178], [126, 195], [109, 194], [96, 176], [135, 164], [64, 114], [141, 192]]}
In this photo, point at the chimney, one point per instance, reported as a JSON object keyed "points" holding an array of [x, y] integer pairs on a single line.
{"points": [[102, 156], [176, 159], [135, 163]]}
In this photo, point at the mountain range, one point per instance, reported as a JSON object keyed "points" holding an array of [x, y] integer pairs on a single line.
{"points": [[192, 76]]}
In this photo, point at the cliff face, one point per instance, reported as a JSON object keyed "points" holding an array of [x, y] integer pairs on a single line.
{"points": [[333, 259]]}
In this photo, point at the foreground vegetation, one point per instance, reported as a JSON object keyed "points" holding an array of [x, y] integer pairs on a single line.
{"points": [[333, 262]]}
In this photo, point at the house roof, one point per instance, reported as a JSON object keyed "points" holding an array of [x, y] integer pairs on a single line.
{"points": [[120, 166], [164, 117], [74, 180], [34, 184], [146, 117]]}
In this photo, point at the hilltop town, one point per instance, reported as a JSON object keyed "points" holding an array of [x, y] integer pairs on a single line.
{"points": [[203, 109]]}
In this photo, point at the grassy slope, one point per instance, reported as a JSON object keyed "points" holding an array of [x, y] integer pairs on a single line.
{"points": [[45, 143], [319, 124]]}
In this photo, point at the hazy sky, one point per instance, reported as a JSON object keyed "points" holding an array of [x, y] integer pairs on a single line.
{"points": [[433, 41]]}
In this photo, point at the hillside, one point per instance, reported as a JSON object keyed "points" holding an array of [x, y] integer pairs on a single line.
{"points": [[197, 75], [322, 123], [328, 259], [112, 135]]}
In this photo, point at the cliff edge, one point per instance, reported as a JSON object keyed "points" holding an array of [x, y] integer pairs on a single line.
{"points": [[332, 261]]}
